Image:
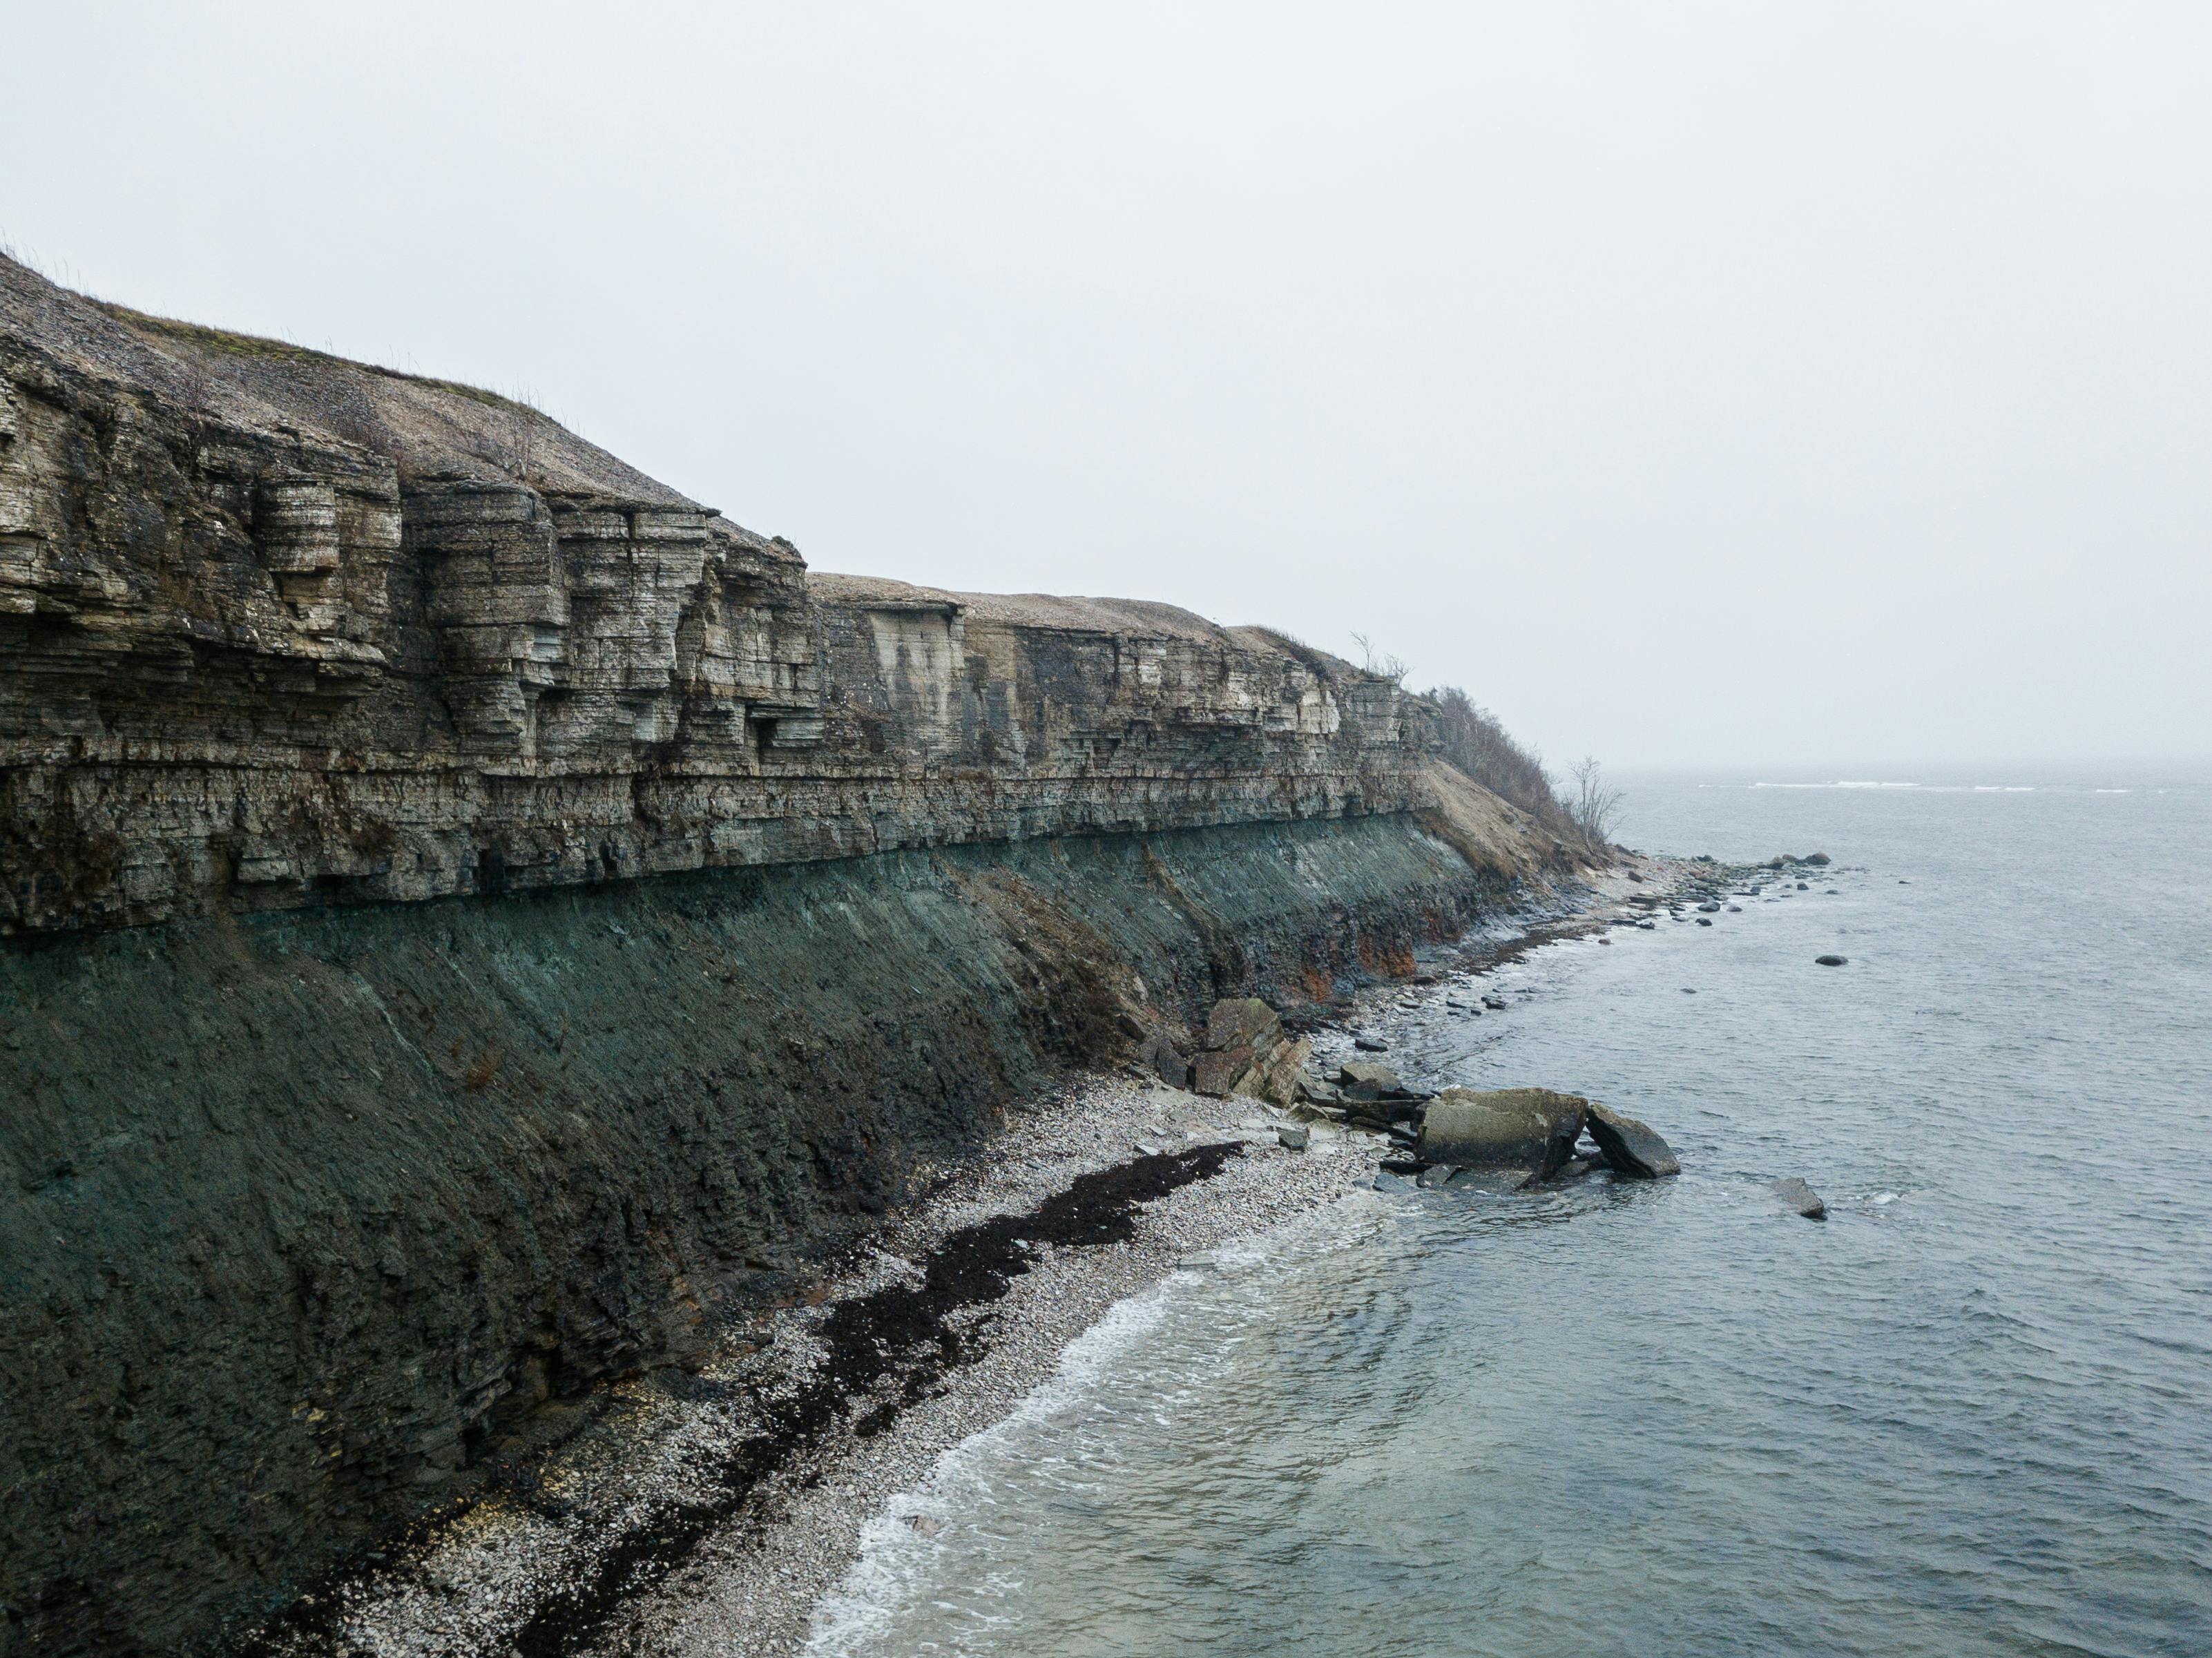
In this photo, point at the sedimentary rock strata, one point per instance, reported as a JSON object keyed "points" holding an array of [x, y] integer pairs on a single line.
{"points": [[326, 1199], [279, 629]]}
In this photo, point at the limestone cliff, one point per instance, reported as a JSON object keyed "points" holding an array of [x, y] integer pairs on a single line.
{"points": [[324, 1202], [279, 629]]}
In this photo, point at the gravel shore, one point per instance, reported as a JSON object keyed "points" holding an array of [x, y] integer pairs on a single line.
{"points": [[711, 1513]]}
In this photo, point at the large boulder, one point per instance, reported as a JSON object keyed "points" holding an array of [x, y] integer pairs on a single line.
{"points": [[1526, 1128], [1276, 1073], [1240, 1031], [1164, 1059], [1365, 1080], [1629, 1147]]}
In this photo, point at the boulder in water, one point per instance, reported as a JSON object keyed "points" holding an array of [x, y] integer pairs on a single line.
{"points": [[1800, 1198], [1832, 961], [1629, 1147], [1435, 1175], [1532, 1129]]}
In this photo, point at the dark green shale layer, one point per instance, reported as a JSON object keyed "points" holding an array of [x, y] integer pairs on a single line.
{"points": [[305, 1218]]}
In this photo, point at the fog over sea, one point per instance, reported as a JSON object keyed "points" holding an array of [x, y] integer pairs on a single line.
{"points": [[1970, 1413]]}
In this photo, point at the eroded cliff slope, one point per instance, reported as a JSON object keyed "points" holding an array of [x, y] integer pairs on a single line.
{"points": [[361, 1108]]}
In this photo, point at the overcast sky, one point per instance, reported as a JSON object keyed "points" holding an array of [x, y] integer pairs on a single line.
{"points": [[1695, 383]]}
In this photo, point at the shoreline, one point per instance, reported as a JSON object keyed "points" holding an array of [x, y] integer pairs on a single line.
{"points": [[715, 1511]]}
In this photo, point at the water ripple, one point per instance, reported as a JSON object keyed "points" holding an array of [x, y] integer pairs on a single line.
{"points": [[1966, 1416]]}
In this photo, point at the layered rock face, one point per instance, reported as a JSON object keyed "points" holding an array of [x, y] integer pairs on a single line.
{"points": [[325, 1205], [279, 629]]}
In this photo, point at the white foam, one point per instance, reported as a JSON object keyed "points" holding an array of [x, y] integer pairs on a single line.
{"points": [[895, 1557]]}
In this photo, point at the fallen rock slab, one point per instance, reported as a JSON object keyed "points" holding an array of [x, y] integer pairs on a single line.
{"points": [[1530, 1129], [1800, 1198], [1363, 1079], [1240, 1030], [1160, 1056], [1276, 1073], [1631, 1148]]}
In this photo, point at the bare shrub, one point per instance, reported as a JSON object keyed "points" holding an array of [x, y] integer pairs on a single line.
{"points": [[1594, 806], [195, 391], [522, 435], [1382, 665], [508, 437]]}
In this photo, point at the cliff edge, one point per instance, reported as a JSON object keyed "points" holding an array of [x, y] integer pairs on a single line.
{"points": [[364, 1106], [278, 629]]}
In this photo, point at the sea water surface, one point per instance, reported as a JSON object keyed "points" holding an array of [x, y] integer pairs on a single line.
{"points": [[1970, 1413]]}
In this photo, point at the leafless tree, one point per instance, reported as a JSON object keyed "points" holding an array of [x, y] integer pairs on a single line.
{"points": [[1381, 666], [522, 434], [1594, 806], [195, 390]]}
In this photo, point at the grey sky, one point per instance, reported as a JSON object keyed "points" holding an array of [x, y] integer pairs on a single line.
{"points": [[1693, 382]]}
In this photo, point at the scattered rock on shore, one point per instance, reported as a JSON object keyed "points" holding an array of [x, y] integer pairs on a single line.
{"points": [[1240, 1030], [1160, 1056], [1532, 1129], [1630, 1148], [1370, 1044], [1365, 1080], [1247, 1053]]}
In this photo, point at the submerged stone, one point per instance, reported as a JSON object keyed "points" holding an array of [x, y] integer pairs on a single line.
{"points": [[1800, 1198], [1629, 1147]]}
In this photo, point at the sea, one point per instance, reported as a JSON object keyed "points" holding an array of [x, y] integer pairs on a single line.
{"points": [[1970, 1413]]}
